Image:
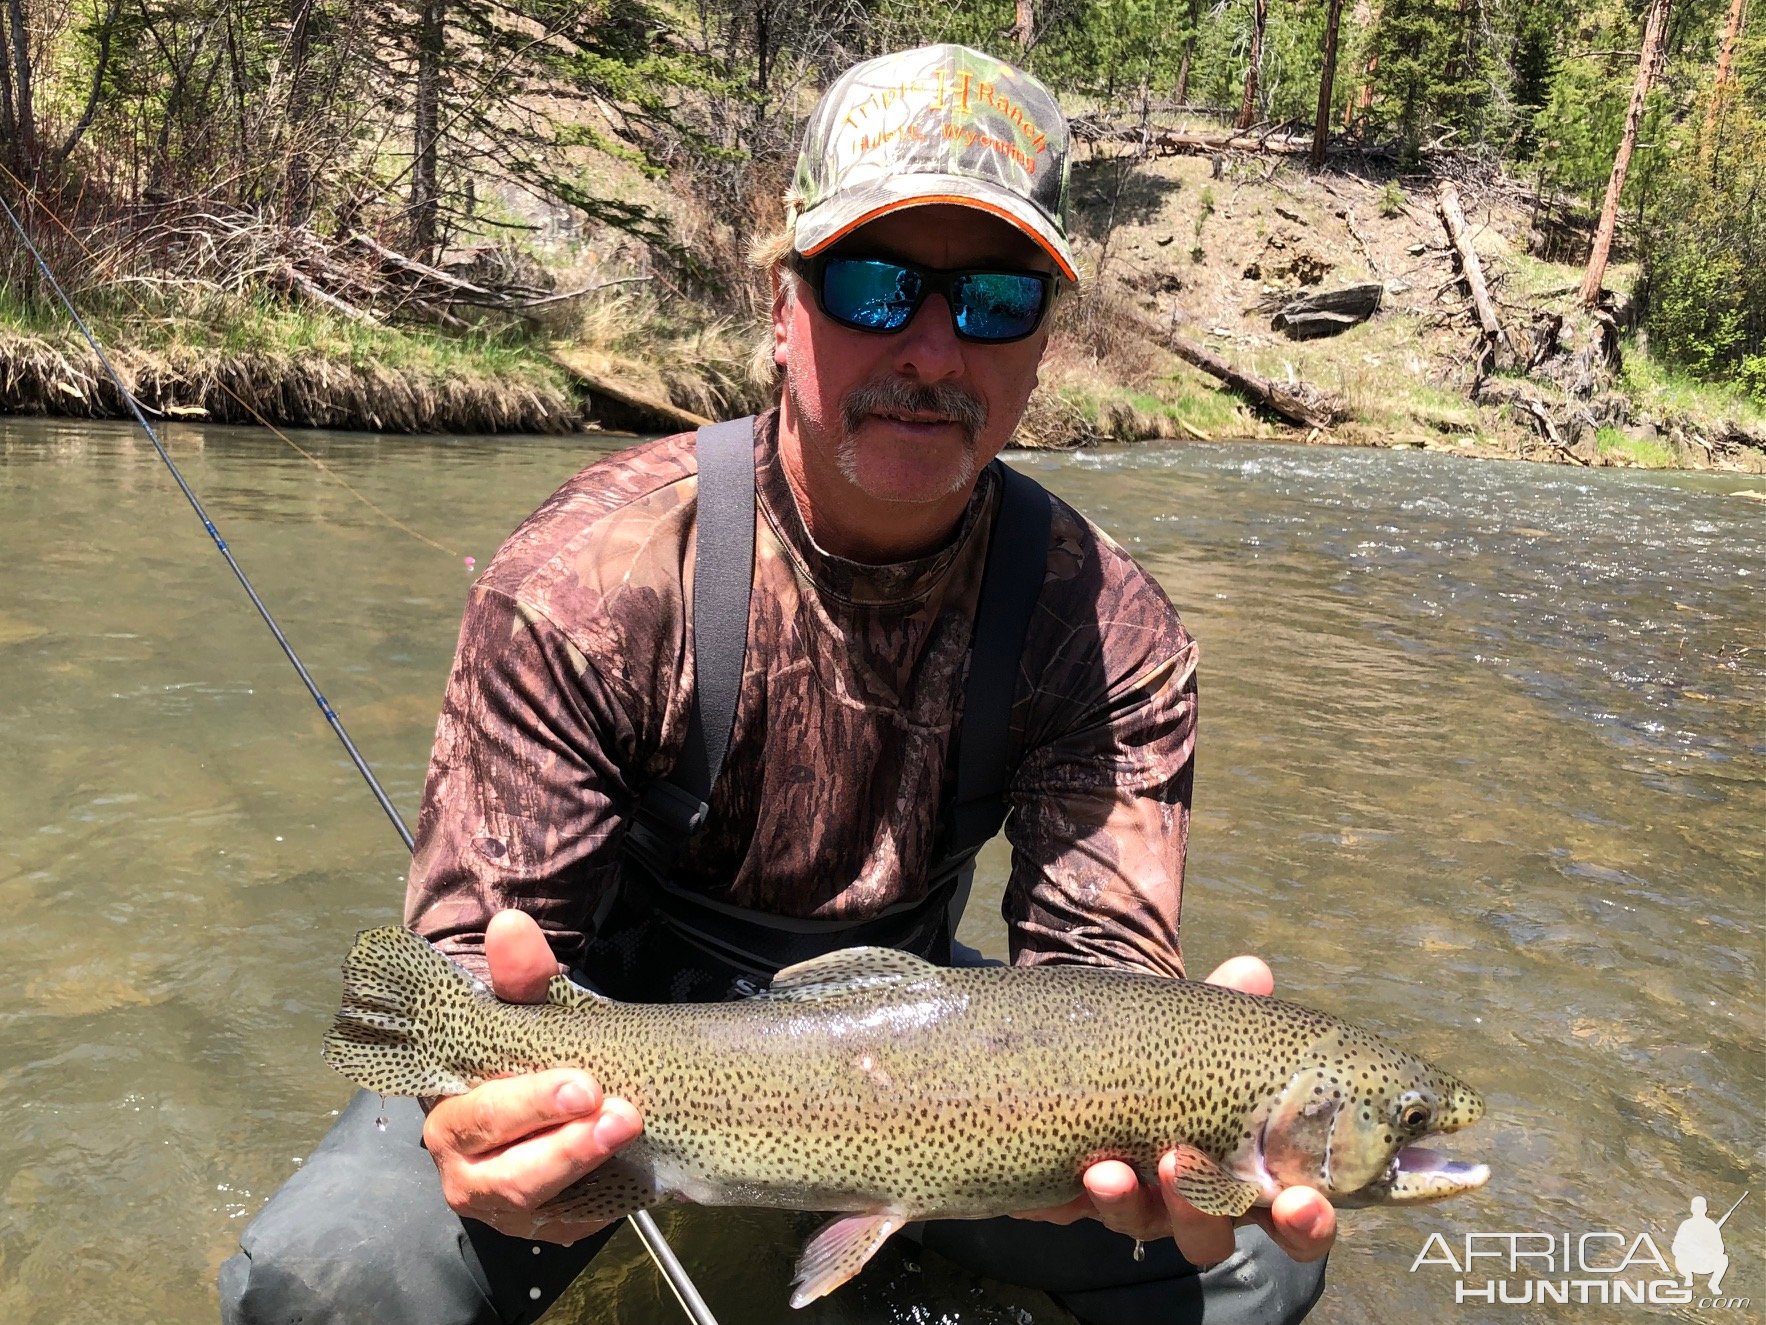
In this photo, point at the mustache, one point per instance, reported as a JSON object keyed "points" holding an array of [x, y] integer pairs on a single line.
{"points": [[891, 395]]}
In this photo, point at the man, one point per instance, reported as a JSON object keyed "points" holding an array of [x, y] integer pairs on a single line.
{"points": [[583, 811]]}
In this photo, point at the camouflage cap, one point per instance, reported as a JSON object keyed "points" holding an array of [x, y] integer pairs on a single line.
{"points": [[941, 124]]}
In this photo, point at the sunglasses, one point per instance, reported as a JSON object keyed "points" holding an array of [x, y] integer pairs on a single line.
{"points": [[882, 295]]}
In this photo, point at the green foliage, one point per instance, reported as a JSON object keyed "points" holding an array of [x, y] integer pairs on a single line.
{"points": [[1751, 376], [305, 113], [1577, 132], [1705, 240], [1646, 454], [1434, 70]]}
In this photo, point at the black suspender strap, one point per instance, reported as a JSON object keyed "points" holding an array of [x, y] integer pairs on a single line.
{"points": [[723, 574], [1017, 564]]}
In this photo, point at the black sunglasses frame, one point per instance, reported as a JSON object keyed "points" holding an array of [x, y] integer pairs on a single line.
{"points": [[933, 280]]}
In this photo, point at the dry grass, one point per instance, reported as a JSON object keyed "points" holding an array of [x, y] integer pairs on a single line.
{"points": [[42, 375], [695, 358]]}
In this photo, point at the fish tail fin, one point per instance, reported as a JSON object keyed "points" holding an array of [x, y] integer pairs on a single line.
{"points": [[408, 1012]]}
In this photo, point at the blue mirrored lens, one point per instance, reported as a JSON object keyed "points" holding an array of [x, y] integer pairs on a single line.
{"points": [[997, 305], [871, 295]]}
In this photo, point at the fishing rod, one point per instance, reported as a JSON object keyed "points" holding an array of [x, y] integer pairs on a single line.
{"points": [[673, 1272]]}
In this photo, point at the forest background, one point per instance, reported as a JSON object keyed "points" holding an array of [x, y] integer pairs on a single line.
{"points": [[492, 214]]}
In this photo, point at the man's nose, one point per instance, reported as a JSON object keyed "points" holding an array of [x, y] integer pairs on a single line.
{"points": [[927, 349]]}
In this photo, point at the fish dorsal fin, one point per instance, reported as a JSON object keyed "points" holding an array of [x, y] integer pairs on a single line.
{"points": [[848, 971], [566, 993]]}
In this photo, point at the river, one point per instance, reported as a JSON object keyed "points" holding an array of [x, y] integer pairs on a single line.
{"points": [[1482, 766]]}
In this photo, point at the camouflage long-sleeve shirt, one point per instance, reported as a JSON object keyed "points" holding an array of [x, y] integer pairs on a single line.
{"points": [[571, 687]]}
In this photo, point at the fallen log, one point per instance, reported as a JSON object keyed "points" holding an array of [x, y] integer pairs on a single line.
{"points": [[636, 409], [1300, 404], [1498, 349], [1503, 391], [393, 258], [1176, 142], [1327, 312], [294, 280]]}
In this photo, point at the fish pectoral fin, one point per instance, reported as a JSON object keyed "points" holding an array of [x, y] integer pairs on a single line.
{"points": [[564, 992], [838, 1251], [613, 1190], [1210, 1188], [847, 970]]}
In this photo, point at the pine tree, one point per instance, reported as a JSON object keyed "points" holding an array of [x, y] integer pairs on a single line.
{"points": [[1648, 65]]}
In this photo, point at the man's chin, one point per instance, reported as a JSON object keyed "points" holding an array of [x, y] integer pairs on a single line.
{"points": [[911, 476]]}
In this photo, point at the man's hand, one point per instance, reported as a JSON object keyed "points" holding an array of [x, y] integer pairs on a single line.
{"points": [[1301, 1221], [509, 1146]]}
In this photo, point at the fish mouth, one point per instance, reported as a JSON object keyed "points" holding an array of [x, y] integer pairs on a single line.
{"points": [[1417, 1173]]}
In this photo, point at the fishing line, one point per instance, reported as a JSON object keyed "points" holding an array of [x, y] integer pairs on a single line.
{"points": [[27, 192], [651, 1236]]}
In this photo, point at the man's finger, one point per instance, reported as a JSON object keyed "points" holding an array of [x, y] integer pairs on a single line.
{"points": [[1302, 1223], [1247, 974], [1068, 1212], [499, 1113], [1202, 1238], [518, 1179], [1122, 1203], [521, 960]]}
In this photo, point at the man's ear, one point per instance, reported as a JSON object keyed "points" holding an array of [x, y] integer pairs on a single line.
{"points": [[784, 293]]}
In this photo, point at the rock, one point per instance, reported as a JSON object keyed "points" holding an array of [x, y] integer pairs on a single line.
{"points": [[1327, 312], [1305, 269]]}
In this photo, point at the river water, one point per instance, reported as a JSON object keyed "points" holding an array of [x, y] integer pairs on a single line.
{"points": [[1482, 766]]}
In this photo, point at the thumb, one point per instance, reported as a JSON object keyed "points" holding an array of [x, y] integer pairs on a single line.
{"points": [[520, 959]]}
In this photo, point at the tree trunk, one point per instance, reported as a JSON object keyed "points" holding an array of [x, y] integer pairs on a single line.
{"points": [[1321, 124], [1725, 72], [426, 126], [100, 67], [1655, 26], [1301, 404], [1355, 111], [1189, 49], [8, 112], [24, 115], [1024, 24], [1498, 350], [1248, 107], [298, 173]]}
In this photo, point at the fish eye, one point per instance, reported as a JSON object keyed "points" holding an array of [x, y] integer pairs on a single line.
{"points": [[1414, 1111]]}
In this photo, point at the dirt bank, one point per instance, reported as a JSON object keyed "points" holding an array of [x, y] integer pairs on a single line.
{"points": [[1207, 249]]}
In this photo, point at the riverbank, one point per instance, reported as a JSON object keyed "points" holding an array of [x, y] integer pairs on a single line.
{"points": [[1179, 251]]}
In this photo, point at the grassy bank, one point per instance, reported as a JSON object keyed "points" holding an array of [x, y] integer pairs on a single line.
{"points": [[236, 360], [1171, 249]]}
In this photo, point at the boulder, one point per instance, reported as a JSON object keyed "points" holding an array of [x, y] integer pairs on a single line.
{"points": [[1327, 312]]}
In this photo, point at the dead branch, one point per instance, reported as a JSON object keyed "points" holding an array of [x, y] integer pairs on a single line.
{"points": [[1367, 251], [306, 286], [1301, 404], [1497, 348]]}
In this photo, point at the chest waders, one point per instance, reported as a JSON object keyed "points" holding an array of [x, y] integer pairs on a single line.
{"points": [[371, 1189], [656, 941]]}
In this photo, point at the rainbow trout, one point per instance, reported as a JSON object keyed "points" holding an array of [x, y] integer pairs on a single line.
{"points": [[871, 1082]]}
